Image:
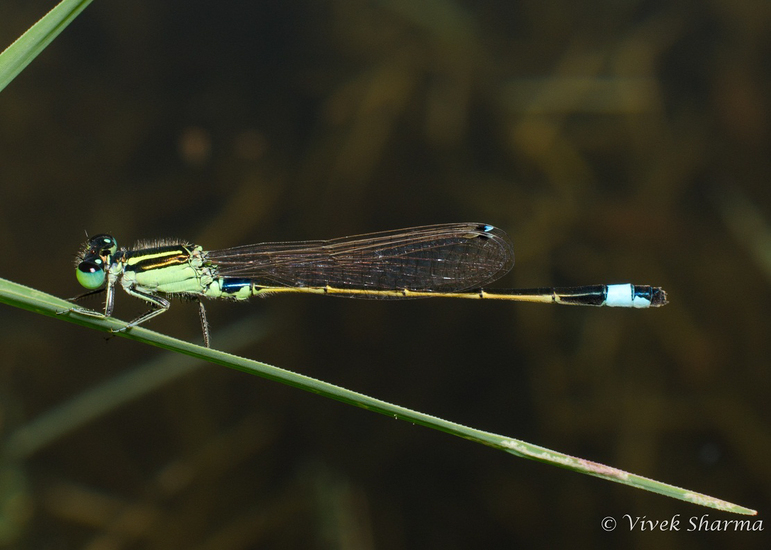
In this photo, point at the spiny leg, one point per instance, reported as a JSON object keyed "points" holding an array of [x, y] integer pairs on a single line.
{"points": [[88, 294], [204, 323], [109, 303], [161, 305], [83, 310]]}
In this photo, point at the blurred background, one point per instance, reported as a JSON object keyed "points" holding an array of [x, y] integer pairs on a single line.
{"points": [[613, 141]]}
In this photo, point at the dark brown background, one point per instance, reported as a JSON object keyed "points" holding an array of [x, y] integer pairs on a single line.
{"points": [[614, 141]]}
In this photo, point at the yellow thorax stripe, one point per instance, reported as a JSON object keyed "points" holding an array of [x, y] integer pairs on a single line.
{"points": [[158, 259]]}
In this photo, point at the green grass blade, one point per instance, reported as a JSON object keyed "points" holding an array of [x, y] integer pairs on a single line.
{"points": [[26, 48], [40, 302]]}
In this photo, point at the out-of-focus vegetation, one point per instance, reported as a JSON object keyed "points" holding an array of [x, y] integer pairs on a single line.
{"points": [[613, 141]]}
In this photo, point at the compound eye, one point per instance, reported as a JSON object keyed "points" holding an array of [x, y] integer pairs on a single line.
{"points": [[90, 274], [102, 245]]}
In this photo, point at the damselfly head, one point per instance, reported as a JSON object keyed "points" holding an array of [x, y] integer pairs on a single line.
{"points": [[92, 259]]}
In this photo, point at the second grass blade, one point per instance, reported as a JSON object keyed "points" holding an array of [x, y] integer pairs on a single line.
{"points": [[27, 47]]}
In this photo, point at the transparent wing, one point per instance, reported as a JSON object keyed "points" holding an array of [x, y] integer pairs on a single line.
{"points": [[443, 258]]}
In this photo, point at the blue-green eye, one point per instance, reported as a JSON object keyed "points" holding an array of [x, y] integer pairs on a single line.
{"points": [[90, 274], [101, 245]]}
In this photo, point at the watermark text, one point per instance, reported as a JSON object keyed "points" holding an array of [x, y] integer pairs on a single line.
{"points": [[702, 523]]}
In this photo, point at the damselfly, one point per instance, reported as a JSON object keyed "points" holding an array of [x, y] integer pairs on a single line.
{"points": [[454, 260]]}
